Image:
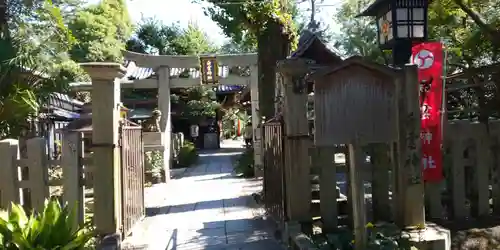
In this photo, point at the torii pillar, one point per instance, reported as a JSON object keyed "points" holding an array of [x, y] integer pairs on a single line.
{"points": [[166, 121]]}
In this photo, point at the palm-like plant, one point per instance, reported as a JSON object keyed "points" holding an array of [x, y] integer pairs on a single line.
{"points": [[24, 79], [53, 228]]}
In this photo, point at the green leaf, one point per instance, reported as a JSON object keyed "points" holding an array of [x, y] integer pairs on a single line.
{"points": [[17, 216]]}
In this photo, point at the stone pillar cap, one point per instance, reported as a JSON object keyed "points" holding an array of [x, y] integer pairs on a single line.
{"points": [[105, 71]]}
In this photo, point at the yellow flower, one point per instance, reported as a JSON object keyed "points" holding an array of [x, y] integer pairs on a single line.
{"points": [[352, 241], [370, 225]]}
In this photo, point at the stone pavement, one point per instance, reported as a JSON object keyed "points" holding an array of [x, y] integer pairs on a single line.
{"points": [[207, 208]]}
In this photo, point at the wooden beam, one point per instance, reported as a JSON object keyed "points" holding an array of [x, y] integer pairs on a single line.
{"points": [[174, 83], [154, 61]]}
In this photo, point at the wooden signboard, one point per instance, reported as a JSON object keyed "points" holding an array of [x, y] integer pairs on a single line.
{"points": [[209, 70], [355, 99]]}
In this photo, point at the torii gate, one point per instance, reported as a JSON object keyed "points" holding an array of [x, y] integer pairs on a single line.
{"points": [[163, 71]]}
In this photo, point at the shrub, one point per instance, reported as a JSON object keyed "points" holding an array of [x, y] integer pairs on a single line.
{"points": [[379, 238], [243, 165], [188, 155], [52, 229], [154, 163]]}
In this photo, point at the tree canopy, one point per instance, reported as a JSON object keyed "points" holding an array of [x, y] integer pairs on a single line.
{"points": [[154, 37], [101, 31]]}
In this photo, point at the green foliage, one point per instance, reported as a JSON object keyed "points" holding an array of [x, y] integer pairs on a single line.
{"points": [[388, 237], [154, 162], [228, 118], [154, 37], [199, 104], [188, 155], [358, 36], [468, 43], [244, 164], [246, 19], [27, 65], [101, 31], [52, 229], [270, 24], [193, 41]]}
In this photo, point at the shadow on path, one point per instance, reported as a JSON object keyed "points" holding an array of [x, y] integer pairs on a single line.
{"points": [[209, 207]]}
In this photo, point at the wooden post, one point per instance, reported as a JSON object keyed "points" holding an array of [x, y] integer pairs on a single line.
{"points": [[73, 189], [483, 165], [9, 184], [458, 194], [256, 121], [410, 186], [106, 151], [380, 182], [165, 122], [38, 172], [297, 143], [328, 187], [357, 191]]}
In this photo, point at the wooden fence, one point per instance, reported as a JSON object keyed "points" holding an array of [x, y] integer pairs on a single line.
{"points": [[29, 181], [274, 171], [469, 192]]}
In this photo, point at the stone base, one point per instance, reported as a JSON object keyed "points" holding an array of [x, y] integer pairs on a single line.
{"points": [[433, 237], [296, 239]]}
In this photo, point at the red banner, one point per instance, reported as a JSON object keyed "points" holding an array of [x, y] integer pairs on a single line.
{"points": [[429, 59]]}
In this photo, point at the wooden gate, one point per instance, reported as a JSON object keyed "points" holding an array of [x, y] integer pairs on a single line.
{"points": [[132, 170], [274, 175]]}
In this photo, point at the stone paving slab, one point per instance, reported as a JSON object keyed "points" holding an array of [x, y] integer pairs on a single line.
{"points": [[206, 208]]}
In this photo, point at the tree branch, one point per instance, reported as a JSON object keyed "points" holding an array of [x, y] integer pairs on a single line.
{"points": [[488, 29]]}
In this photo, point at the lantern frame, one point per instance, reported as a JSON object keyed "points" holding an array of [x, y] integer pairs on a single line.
{"points": [[399, 20]]}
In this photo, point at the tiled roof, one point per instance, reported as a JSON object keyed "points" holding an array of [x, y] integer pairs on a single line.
{"points": [[306, 40], [139, 73]]}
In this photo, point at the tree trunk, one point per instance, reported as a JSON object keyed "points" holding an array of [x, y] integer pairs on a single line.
{"points": [[273, 45]]}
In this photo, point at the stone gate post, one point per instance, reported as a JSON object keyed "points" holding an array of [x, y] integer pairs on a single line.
{"points": [[166, 117], [106, 152]]}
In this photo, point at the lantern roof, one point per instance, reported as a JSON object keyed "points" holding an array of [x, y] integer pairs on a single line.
{"points": [[372, 10], [354, 60], [311, 47]]}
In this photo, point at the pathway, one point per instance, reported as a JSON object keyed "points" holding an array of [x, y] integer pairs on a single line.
{"points": [[207, 208]]}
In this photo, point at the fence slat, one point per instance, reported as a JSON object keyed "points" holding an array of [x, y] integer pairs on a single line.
{"points": [[483, 152], [9, 189], [458, 178], [495, 175], [380, 183], [73, 190], [38, 172], [324, 158]]}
